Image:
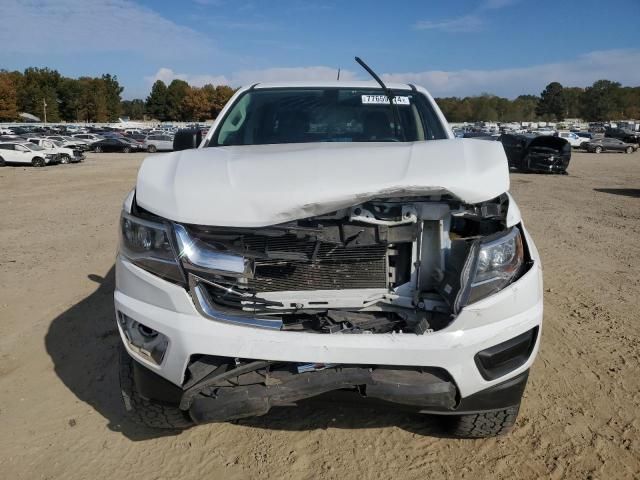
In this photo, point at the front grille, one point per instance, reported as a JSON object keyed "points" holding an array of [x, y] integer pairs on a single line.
{"points": [[333, 269], [296, 263]]}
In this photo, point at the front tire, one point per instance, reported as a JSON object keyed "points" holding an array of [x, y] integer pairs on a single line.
{"points": [[38, 162], [482, 425], [97, 149], [143, 411], [152, 149], [629, 150], [64, 159], [598, 150], [126, 150]]}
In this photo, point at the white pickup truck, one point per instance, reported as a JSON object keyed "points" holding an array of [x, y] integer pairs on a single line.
{"points": [[326, 236]]}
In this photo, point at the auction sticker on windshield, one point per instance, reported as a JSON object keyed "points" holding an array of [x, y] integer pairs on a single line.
{"points": [[383, 99]]}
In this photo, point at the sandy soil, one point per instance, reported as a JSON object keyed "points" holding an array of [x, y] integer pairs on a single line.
{"points": [[60, 410]]}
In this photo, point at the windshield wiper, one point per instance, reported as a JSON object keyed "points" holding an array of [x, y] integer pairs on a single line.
{"points": [[387, 91]]}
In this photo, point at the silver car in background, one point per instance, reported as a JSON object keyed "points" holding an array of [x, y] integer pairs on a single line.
{"points": [[158, 143]]}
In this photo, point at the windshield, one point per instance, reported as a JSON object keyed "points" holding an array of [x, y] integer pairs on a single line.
{"points": [[58, 143], [306, 115]]}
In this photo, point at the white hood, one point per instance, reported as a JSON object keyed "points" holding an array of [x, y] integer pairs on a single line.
{"points": [[255, 186]]}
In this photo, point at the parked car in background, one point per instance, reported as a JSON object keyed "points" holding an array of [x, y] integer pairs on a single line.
{"points": [[65, 154], [623, 134], [115, 145], [587, 135], [90, 137], [537, 153], [574, 139], [607, 144], [159, 143], [137, 144], [25, 153], [140, 137], [70, 142]]}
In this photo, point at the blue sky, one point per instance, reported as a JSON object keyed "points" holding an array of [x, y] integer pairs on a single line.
{"points": [[465, 47]]}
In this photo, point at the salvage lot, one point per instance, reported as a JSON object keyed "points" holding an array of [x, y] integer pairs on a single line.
{"points": [[60, 409]]}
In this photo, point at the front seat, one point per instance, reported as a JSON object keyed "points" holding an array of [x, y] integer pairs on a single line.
{"points": [[293, 127], [376, 126]]}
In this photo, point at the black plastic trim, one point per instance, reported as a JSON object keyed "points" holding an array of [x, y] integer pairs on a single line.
{"points": [[153, 387], [503, 395], [495, 362]]}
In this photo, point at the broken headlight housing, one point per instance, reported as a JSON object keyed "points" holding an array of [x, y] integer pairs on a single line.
{"points": [[497, 262], [198, 256], [147, 244]]}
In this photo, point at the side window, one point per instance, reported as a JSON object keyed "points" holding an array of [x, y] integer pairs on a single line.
{"points": [[6, 146], [20, 148], [234, 122]]}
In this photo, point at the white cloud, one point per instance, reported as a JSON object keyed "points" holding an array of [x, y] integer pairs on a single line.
{"points": [[94, 26], [468, 23], [247, 77], [616, 65], [497, 4], [472, 22]]}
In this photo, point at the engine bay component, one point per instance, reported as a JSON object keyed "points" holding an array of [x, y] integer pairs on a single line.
{"points": [[403, 265]]}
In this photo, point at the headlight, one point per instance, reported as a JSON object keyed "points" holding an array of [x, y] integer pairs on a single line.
{"points": [[199, 256], [147, 244], [498, 261]]}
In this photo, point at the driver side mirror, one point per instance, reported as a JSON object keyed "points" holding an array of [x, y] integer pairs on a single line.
{"points": [[186, 139]]}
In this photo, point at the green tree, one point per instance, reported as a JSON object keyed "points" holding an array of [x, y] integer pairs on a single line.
{"points": [[93, 100], [176, 91], [602, 100], [552, 102], [69, 97], [157, 101], [133, 109], [112, 90], [8, 97], [39, 86], [574, 101]]}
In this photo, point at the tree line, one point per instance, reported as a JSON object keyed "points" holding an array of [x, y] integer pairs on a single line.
{"points": [[98, 99], [604, 100]]}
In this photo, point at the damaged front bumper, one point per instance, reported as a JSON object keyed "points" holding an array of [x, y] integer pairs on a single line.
{"points": [[434, 372]]}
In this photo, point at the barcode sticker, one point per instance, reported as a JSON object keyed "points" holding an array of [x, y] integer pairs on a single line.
{"points": [[383, 100]]}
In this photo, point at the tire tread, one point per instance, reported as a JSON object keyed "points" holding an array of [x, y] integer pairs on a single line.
{"points": [[486, 424], [143, 411]]}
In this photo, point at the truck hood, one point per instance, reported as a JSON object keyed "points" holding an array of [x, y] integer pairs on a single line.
{"points": [[256, 186]]}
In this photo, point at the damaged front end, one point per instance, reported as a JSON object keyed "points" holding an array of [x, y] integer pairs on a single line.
{"points": [[545, 154], [398, 265]]}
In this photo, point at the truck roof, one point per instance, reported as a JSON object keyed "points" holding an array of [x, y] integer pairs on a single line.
{"points": [[332, 84]]}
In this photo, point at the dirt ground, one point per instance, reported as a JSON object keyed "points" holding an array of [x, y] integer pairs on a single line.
{"points": [[60, 409]]}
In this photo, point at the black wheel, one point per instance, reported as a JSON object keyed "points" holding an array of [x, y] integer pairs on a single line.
{"points": [[598, 150], [629, 150], [126, 150], [144, 411], [152, 149], [64, 158], [481, 425], [2, 162], [97, 149], [38, 162]]}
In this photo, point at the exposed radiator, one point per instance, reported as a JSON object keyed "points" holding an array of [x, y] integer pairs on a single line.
{"points": [[305, 264]]}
